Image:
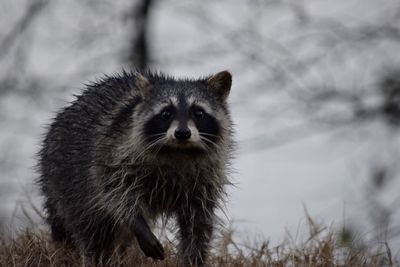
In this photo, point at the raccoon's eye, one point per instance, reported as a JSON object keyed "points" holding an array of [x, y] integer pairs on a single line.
{"points": [[198, 114], [166, 115]]}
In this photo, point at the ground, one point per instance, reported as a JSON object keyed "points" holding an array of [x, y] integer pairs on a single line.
{"points": [[323, 248]]}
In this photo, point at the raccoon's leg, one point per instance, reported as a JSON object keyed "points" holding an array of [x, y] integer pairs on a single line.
{"points": [[93, 233], [148, 242], [58, 231], [196, 227]]}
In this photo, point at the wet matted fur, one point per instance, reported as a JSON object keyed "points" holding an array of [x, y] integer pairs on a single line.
{"points": [[134, 147]]}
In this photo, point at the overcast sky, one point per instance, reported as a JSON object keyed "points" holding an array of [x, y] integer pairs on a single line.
{"points": [[285, 162]]}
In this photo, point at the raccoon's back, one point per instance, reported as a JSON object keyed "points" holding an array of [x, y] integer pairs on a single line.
{"points": [[70, 145]]}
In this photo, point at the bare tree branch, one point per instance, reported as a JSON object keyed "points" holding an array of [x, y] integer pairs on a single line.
{"points": [[138, 56], [21, 26]]}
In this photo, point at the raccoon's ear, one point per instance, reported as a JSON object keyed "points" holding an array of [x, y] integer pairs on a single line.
{"points": [[220, 84], [142, 84]]}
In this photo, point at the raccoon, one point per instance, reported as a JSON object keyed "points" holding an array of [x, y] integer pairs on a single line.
{"points": [[134, 147]]}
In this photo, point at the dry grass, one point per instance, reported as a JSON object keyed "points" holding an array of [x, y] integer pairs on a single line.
{"points": [[31, 248]]}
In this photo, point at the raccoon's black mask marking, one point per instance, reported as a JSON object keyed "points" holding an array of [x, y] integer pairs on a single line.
{"points": [[183, 116], [159, 125], [208, 126]]}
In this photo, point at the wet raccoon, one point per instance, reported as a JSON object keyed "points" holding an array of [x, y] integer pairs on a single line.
{"points": [[135, 147]]}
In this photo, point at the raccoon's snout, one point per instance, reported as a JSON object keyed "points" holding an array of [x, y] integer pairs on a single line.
{"points": [[182, 134]]}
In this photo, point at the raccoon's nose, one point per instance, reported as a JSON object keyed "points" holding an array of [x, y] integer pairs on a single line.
{"points": [[182, 134]]}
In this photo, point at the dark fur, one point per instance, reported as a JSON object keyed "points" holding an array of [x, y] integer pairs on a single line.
{"points": [[98, 177]]}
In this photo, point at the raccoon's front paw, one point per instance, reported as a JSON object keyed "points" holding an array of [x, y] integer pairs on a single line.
{"points": [[151, 247]]}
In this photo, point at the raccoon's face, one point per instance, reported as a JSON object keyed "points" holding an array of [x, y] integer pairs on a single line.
{"points": [[183, 123], [187, 116]]}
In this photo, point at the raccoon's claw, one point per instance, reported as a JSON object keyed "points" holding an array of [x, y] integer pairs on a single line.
{"points": [[151, 247]]}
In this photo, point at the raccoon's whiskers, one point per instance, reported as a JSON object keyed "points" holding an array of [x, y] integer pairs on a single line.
{"points": [[164, 139], [209, 141], [155, 135], [150, 146], [208, 134], [205, 137]]}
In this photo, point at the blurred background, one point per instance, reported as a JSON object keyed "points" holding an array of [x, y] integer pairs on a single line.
{"points": [[315, 99]]}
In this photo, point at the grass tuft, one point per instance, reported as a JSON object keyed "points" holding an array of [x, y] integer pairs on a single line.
{"points": [[35, 248]]}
